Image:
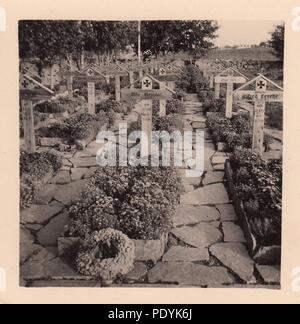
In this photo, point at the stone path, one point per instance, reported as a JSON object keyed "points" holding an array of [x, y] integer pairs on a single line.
{"points": [[209, 248], [206, 246]]}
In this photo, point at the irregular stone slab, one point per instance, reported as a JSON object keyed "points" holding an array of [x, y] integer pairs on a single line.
{"points": [[219, 158], [201, 235], [275, 146], [82, 154], [71, 192], [66, 162], [198, 125], [150, 250], [32, 271], [49, 234], [93, 148], [44, 255], [186, 273], [219, 167], [187, 187], [193, 181], [235, 257], [208, 195], [63, 177], [41, 214], [233, 233], [90, 172], [58, 269], [33, 228], [84, 162], [46, 194], [213, 177], [78, 173], [227, 212], [191, 215], [25, 236], [139, 272], [27, 250], [182, 254], [270, 274]]}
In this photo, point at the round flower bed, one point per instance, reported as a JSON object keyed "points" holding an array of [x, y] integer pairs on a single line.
{"points": [[107, 254]]}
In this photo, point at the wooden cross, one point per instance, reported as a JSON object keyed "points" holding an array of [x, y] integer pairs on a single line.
{"points": [[228, 77], [145, 96], [27, 98], [260, 96]]}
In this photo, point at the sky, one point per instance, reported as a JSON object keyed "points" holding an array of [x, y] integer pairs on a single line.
{"points": [[244, 32]]}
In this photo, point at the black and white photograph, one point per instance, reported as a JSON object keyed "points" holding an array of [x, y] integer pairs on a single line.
{"points": [[151, 153]]}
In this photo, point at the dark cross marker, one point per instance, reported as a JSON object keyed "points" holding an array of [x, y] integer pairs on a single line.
{"points": [[261, 85], [147, 83], [25, 84]]}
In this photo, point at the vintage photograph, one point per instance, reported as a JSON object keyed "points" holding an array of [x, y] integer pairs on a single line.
{"points": [[151, 153]]}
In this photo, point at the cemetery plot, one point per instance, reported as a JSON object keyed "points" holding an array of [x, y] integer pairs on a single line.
{"points": [[157, 225]]}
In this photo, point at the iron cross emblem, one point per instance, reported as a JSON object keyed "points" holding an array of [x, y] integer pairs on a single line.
{"points": [[147, 83], [25, 84], [261, 85]]}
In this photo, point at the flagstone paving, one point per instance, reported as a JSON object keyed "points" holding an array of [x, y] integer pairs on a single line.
{"points": [[206, 246]]}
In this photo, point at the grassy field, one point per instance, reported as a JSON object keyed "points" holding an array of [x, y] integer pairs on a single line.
{"points": [[243, 54]]}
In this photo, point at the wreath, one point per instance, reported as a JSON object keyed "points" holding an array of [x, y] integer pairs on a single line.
{"points": [[106, 254]]}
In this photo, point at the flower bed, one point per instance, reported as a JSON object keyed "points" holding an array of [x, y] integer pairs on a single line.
{"points": [[81, 127], [138, 201], [36, 169], [256, 188], [235, 132]]}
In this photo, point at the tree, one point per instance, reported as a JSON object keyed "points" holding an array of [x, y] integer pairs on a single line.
{"points": [[277, 41], [194, 37]]}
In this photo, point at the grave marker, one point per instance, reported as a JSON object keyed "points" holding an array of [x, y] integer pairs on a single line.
{"points": [[230, 77], [260, 96], [28, 94], [162, 103], [90, 76], [145, 96]]}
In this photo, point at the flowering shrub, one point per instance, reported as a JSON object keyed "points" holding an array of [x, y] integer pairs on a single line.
{"points": [[78, 127], [50, 107], [168, 123], [191, 80], [259, 185], [175, 107], [235, 132], [34, 167], [106, 255], [214, 105], [110, 106], [139, 201]]}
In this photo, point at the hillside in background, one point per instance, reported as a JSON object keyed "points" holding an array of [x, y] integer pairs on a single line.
{"points": [[243, 54]]}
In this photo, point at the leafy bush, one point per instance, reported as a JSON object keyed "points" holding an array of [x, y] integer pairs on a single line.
{"points": [[259, 185], [191, 80], [169, 123], [274, 116], [206, 95], [175, 107], [78, 127], [214, 105], [50, 107], [34, 167], [138, 201], [110, 106], [235, 132]]}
